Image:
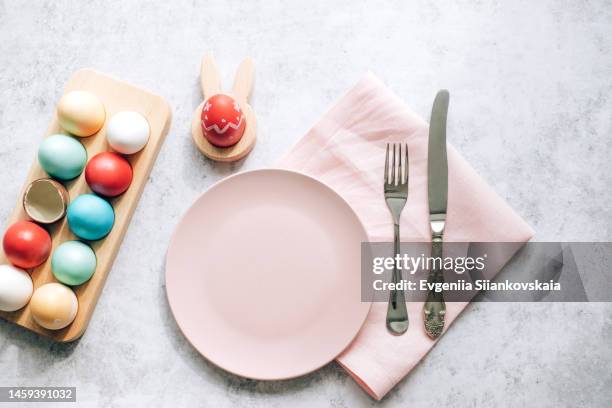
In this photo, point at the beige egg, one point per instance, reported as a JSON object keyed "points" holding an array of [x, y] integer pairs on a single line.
{"points": [[54, 306], [81, 113]]}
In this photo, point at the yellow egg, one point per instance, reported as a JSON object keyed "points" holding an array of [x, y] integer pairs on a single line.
{"points": [[81, 113], [54, 306]]}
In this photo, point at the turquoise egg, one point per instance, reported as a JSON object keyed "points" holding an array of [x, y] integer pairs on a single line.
{"points": [[73, 263], [90, 217], [62, 157]]}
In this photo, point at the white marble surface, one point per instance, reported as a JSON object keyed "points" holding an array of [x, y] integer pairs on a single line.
{"points": [[531, 110]]}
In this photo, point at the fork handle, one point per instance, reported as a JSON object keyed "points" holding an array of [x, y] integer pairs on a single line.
{"points": [[397, 315]]}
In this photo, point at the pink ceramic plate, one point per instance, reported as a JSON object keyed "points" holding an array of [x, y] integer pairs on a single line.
{"points": [[263, 274]]}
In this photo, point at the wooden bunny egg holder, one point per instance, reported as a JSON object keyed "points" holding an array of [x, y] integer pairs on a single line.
{"points": [[211, 85]]}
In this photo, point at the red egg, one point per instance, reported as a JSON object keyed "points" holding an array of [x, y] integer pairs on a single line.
{"points": [[108, 174], [26, 244], [222, 120]]}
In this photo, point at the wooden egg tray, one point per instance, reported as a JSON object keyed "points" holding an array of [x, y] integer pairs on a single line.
{"points": [[116, 96]]}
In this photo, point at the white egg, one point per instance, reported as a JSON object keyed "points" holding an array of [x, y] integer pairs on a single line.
{"points": [[15, 288], [128, 132]]}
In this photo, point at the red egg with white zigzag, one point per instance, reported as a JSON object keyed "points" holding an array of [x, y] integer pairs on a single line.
{"points": [[222, 120]]}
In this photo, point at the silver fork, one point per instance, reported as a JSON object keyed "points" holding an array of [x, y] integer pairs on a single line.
{"points": [[396, 193]]}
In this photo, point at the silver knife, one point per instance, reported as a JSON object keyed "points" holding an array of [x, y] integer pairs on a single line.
{"points": [[437, 182]]}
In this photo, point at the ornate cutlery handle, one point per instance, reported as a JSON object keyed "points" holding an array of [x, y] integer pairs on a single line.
{"points": [[397, 315], [435, 308]]}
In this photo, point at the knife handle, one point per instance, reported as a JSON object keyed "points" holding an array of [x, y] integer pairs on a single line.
{"points": [[434, 310]]}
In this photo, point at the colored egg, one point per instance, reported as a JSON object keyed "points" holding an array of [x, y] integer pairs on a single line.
{"points": [[73, 263], [15, 288], [45, 201], [26, 245], [128, 132], [81, 113], [222, 120], [54, 306], [62, 157], [90, 217], [108, 174]]}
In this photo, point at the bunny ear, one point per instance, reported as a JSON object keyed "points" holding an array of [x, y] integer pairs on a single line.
{"points": [[243, 83], [209, 76]]}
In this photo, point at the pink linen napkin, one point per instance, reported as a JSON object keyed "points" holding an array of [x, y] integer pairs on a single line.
{"points": [[346, 150]]}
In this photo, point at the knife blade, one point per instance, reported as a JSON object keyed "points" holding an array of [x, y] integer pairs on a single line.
{"points": [[437, 183], [437, 165]]}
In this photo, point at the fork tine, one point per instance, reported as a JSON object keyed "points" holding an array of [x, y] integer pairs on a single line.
{"points": [[406, 164], [387, 166], [400, 166], [393, 169], [398, 169]]}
